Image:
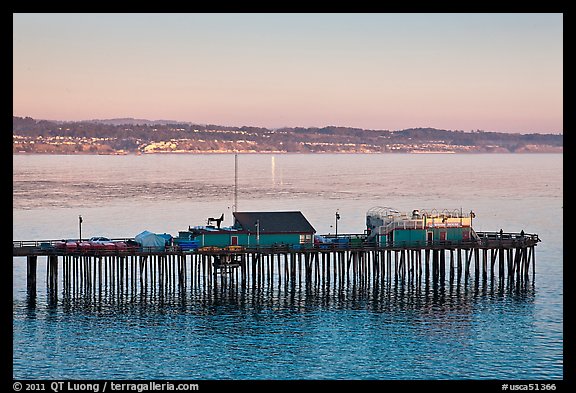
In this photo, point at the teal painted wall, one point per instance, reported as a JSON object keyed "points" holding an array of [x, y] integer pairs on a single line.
{"points": [[214, 240], [383, 240], [409, 237], [452, 234], [268, 240], [415, 237], [225, 239]]}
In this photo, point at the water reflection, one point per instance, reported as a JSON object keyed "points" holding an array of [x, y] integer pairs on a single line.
{"points": [[390, 296], [417, 319]]}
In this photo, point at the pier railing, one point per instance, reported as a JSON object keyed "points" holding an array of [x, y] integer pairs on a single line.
{"points": [[355, 242], [507, 237], [53, 243], [404, 224]]}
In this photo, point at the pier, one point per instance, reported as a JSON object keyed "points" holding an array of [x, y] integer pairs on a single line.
{"points": [[491, 257]]}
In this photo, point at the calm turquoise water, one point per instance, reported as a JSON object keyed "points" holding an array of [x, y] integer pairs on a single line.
{"points": [[459, 330]]}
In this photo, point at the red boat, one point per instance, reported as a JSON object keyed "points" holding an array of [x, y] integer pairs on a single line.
{"points": [[101, 246]]}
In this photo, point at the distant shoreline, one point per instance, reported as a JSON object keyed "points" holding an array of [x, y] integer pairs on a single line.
{"points": [[23, 153], [46, 137]]}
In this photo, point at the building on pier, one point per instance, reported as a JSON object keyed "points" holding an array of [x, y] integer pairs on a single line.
{"points": [[254, 229], [387, 226]]}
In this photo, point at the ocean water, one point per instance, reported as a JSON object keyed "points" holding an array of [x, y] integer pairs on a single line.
{"points": [[396, 331]]}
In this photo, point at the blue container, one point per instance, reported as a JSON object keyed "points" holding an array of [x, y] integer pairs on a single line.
{"points": [[187, 245]]}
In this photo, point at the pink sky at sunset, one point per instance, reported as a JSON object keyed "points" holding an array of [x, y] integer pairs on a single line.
{"points": [[495, 72]]}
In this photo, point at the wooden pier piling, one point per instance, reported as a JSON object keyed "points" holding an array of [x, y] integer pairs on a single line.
{"points": [[362, 266], [32, 262]]}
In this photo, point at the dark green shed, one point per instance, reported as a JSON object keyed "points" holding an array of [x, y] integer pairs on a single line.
{"points": [[269, 228]]}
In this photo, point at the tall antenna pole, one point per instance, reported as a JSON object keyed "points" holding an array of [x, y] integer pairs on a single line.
{"points": [[235, 182], [80, 227]]}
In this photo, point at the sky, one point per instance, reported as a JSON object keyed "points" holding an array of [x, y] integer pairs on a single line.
{"points": [[491, 72]]}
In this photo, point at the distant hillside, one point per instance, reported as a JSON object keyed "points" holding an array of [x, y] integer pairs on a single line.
{"points": [[140, 135], [132, 121]]}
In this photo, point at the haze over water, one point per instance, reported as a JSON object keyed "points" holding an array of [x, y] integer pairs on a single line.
{"points": [[396, 331]]}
